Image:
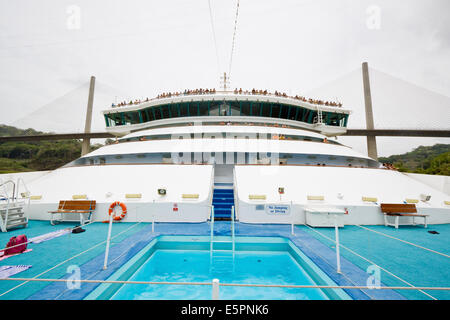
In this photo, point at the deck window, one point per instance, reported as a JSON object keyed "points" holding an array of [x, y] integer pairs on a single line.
{"points": [[284, 111], [275, 110], [183, 109], [225, 108]]}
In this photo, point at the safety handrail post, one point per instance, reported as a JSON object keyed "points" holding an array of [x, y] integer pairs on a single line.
{"points": [[5, 221], [292, 220], [232, 229], [108, 240], [338, 256], [211, 231], [27, 193], [215, 289]]}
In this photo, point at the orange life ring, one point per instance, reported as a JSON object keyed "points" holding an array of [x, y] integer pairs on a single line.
{"points": [[124, 210]]}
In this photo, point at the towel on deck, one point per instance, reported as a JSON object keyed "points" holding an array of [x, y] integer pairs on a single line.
{"points": [[50, 235], [8, 271], [3, 256]]}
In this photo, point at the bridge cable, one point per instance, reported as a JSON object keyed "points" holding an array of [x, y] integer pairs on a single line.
{"points": [[213, 30], [234, 37]]}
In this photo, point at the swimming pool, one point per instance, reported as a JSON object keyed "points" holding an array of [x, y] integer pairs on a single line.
{"points": [[255, 260]]}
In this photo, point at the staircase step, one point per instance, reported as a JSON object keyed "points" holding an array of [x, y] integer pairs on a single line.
{"points": [[14, 220], [10, 214], [222, 206], [226, 184], [223, 218], [223, 191], [223, 200], [222, 213], [4, 208], [230, 199], [222, 209], [9, 226]]}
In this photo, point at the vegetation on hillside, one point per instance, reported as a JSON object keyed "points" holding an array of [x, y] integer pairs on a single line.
{"points": [[427, 160], [35, 155]]}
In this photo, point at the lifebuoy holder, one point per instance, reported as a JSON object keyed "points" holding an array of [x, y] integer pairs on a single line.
{"points": [[124, 210]]}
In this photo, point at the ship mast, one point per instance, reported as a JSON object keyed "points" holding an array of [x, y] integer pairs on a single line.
{"points": [[225, 81]]}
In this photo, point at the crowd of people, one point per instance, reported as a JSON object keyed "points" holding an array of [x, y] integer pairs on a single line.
{"points": [[282, 94], [236, 91], [389, 166], [131, 102]]}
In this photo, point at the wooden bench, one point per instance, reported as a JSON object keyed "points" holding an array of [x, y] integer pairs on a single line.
{"points": [[398, 210], [82, 207]]}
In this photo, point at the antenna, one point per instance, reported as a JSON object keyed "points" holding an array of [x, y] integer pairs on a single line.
{"points": [[225, 81]]}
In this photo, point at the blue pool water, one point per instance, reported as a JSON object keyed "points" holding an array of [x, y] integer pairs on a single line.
{"points": [[254, 262]]}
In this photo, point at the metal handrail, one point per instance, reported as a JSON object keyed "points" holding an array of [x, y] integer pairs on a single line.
{"points": [[4, 188], [211, 248], [27, 194], [5, 222], [232, 230], [231, 93], [216, 284]]}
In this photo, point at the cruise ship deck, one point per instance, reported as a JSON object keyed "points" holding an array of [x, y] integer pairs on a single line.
{"points": [[408, 257], [226, 195]]}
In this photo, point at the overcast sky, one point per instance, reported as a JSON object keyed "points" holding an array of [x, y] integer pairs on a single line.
{"points": [[141, 48]]}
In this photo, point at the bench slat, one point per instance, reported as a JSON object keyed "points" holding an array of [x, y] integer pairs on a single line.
{"points": [[75, 205], [398, 207], [407, 214]]}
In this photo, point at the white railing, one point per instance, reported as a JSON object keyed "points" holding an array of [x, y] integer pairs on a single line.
{"points": [[215, 283], [108, 239], [232, 231], [211, 241], [245, 93], [336, 235], [3, 223], [25, 195]]}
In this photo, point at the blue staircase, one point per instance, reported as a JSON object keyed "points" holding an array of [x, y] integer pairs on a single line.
{"points": [[223, 200]]}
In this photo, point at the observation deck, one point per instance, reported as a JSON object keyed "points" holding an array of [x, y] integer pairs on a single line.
{"points": [[220, 107]]}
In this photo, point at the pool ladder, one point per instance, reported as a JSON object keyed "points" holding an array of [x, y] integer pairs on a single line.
{"points": [[222, 260]]}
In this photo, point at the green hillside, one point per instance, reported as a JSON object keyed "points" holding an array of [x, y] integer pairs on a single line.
{"points": [[35, 156], [428, 160]]}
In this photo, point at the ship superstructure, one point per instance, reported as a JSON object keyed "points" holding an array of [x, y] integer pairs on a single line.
{"points": [[178, 155]]}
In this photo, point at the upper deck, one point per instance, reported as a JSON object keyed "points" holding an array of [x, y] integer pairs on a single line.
{"points": [[218, 106]]}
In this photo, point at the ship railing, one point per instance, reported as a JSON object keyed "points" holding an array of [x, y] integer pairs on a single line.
{"points": [[7, 198], [216, 284], [231, 93]]}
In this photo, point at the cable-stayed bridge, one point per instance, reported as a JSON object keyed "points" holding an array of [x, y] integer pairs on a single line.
{"points": [[400, 109]]}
